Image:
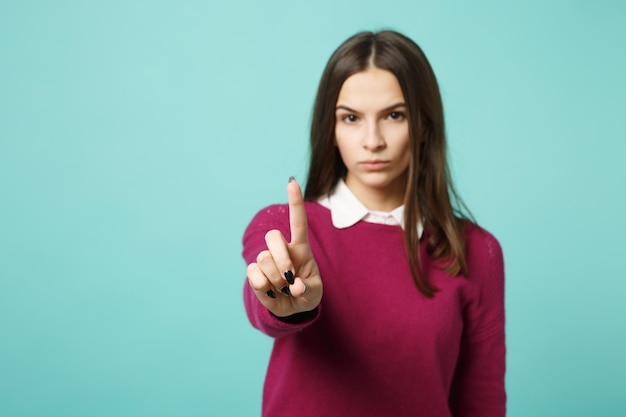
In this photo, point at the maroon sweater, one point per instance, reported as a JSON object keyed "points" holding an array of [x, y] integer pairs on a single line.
{"points": [[376, 346]]}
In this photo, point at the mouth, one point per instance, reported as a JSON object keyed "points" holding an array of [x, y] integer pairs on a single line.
{"points": [[374, 165]]}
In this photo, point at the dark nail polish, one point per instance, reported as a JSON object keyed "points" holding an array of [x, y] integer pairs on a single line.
{"points": [[289, 276], [292, 178], [285, 290], [270, 294]]}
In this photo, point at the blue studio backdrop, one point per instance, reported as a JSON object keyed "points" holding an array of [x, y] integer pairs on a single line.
{"points": [[138, 138]]}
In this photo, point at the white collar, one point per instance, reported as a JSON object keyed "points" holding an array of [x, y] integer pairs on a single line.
{"points": [[346, 210]]}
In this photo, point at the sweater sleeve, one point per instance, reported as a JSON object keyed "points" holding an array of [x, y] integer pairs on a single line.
{"points": [[270, 218], [478, 386]]}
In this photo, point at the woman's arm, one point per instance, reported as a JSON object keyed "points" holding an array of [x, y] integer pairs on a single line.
{"points": [[478, 385], [284, 287]]}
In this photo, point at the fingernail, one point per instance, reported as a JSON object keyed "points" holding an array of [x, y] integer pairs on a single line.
{"points": [[285, 290], [289, 277], [292, 178], [270, 294], [304, 290]]}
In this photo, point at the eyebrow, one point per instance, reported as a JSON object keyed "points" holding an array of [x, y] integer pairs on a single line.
{"points": [[393, 106]]}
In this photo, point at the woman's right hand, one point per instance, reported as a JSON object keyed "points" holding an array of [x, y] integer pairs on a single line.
{"points": [[285, 278]]}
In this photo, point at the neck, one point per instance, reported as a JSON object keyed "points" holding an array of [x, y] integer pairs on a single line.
{"points": [[384, 199]]}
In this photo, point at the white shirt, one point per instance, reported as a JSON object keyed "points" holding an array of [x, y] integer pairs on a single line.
{"points": [[346, 210]]}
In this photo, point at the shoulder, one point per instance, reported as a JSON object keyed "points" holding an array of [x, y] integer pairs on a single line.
{"points": [[480, 240], [486, 282], [483, 250], [269, 218], [271, 213], [276, 216]]}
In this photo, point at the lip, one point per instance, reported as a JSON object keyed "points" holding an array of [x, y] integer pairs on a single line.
{"points": [[374, 165]]}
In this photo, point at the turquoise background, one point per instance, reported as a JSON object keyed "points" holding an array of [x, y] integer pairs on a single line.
{"points": [[138, 138]]}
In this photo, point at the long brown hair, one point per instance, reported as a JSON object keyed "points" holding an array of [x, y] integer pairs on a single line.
{"points": [[430, 193]]}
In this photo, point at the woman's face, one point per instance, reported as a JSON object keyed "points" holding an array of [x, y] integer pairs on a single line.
{"points": [[372, 134]]}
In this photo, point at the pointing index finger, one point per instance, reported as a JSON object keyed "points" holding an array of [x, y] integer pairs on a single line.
{"points": [[297, 215]]}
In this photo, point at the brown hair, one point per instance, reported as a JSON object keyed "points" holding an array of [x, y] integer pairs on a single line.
{"points": [[429, 186]]}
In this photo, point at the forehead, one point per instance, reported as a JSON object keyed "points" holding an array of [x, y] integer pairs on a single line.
{"points": [[373, 87]]}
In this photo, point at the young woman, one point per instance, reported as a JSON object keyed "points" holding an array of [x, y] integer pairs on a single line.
{"points": [[383, 299]]}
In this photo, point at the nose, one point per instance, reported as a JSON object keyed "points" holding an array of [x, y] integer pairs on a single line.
{"points": [[373, 139]]}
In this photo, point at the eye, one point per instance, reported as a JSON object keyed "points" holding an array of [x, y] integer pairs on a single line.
{"points": [[349, 118], [396, 115]]}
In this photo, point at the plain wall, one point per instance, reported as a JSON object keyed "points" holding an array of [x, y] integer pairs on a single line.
{"points": [[138, 138]]}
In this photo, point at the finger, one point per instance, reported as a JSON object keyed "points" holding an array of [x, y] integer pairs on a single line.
{"points": [[279, 253], [297, 214], [299, 288], [259, 282], [267, 264]]}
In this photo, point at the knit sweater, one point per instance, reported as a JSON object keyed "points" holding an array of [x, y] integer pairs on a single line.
{"points": [[376, 346]]}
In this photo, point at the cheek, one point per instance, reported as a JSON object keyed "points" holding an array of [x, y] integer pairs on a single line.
{"points": [[344, 139], [347, 152], [405, 152], [342, 132], [400, 142], [407, 159]]}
